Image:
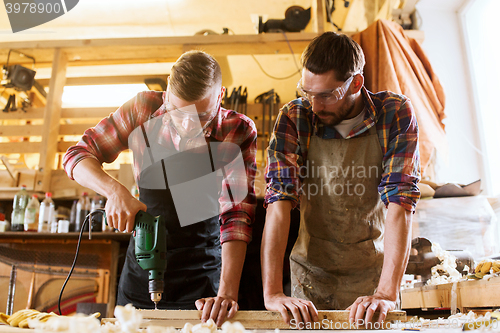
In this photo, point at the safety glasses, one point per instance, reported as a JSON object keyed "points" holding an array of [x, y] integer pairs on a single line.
{"points": [[327, 97], [190, 112]]}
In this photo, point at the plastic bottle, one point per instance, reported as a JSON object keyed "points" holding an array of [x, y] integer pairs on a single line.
{"points": [[54, 222], [32, 214], [18, 209], [82, 210], [47, 213], [72, 217], [98, 202]]}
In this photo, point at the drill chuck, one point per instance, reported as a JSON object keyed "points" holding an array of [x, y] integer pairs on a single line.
{"points": [[156, 289]]}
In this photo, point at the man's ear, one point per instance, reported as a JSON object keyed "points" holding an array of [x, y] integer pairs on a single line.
{"points": [[357, 82]]}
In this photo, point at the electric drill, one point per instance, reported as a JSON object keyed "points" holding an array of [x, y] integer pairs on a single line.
{"points": [[151, 250], [150, 237]]}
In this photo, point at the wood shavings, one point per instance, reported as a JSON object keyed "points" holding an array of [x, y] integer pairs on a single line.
{"points": [[129, 319], [187, 328], [446, 271], [235, 327], [160, 329], [208, 327], [75, 324]]}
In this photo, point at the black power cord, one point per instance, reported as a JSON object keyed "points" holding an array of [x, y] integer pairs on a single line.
{"points": [[87, 218]]}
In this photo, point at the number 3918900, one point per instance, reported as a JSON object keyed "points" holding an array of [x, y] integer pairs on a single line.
{"points": [[30, 7]]}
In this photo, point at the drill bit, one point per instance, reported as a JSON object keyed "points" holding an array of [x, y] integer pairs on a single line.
{"points": [[156, 305]]}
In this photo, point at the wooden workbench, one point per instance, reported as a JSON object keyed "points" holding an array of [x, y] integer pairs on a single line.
{"points": [[465, 295]]}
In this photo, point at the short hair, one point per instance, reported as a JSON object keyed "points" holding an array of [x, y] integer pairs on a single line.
{"points": [[332, 51], [193, 74]]}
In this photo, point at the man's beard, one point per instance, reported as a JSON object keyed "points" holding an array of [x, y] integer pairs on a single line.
{"points": [[342, 114]]}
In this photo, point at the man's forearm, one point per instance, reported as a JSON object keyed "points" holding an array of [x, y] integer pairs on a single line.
{"points": [[90, 174], [397, 245], [233, 258], [274, 241]]}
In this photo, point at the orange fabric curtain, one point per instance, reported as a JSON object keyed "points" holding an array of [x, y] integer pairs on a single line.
{"points": [[398, 63]]}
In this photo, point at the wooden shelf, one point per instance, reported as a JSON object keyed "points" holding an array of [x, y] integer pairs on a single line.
{"points": [[154, 49], [85, 52]]}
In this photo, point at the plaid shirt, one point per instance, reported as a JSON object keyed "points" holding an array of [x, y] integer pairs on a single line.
{"points": [[397, 130], [109, 137]]}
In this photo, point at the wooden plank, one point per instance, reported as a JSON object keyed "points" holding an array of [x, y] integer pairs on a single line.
{"points": [[318, 16], [30, 114], [480, 293], [328, 319], [31, 147], [62, 186], [75, 129], [52, 119], [92, 112], [21, 130], [38, 113], [100, 62], [153, 41], [62, 146], [97, 80]]}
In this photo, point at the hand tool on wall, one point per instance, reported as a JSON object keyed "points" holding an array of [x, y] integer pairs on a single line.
{"points": [[150, 250], [243, 101], [237, 101], [269, 99]]}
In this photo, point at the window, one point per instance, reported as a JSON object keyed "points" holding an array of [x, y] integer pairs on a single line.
{"points": [[482, 31]]}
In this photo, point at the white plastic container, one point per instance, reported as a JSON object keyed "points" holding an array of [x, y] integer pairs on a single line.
{"points": [[47, 213]]}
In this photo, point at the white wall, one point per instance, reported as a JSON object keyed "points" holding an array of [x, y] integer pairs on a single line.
{"points": [[445, 48]]}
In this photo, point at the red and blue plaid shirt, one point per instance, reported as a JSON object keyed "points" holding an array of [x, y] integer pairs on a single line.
{"points": [[397, 130], [109, 137]]}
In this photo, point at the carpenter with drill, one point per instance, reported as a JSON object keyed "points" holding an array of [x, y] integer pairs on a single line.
{"points": [[175, 136]]}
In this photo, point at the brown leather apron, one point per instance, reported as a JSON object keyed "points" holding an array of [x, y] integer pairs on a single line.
{"points": [[338, 254]]}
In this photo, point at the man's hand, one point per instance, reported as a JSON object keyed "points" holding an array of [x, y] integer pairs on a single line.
{"points": [[370, 304], [217, 308], [121, 208], [302, 310]]}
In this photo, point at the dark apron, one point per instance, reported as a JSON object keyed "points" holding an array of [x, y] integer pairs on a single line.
{"points": [[193, 251]]}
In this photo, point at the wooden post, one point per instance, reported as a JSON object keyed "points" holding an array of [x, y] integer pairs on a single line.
{"points": [[51, 121], [318, 16]]}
